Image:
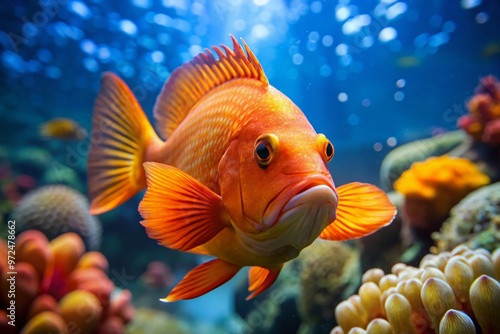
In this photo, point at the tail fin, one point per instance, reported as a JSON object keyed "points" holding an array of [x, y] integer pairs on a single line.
{"points": [[121, 134]]}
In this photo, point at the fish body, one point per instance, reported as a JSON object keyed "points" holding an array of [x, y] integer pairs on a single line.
{"points": [[241, 175], [62, 128]]}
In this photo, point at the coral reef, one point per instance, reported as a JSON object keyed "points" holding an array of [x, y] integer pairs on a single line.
{"points": [[451, 290], [58, 209], [330, 273], [402, 157], [432, 187], [483, 121], [474, 221], [151, 321], [60, 288]]}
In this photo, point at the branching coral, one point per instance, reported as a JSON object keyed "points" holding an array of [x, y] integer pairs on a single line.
{"points": [[448, 293], [483, 122], [432, 187], [58, 209], [60, 288]]}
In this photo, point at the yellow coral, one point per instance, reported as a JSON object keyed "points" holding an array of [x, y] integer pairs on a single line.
{"points": [[445, 293], [432, 187], [431, 178]]}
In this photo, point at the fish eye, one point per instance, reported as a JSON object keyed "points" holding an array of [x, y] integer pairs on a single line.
{"points": [[325, 147], [265, 149], [329, 151]]}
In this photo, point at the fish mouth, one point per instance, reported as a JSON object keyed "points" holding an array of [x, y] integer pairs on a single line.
{"points": [[314, 195]]}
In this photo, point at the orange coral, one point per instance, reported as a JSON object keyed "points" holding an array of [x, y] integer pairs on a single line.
{"points": [[60, 288], [483, 122], [432, 187]]}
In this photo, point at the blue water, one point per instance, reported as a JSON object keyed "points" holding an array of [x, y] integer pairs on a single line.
{"points": [[371, 75]]}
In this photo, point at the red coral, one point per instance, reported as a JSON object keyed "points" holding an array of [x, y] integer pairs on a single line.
{"points": [[484, 108]]}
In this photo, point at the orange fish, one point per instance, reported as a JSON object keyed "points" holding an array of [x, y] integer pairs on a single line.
{"points": [[62, 128], [241, 174]]}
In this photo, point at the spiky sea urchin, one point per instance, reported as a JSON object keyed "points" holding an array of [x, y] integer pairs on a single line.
{"points": [[58, 209]]}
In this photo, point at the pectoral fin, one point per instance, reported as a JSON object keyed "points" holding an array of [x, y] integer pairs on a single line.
{"points": [[363, 209], [260, 279], [179, 211], [202, 279]]}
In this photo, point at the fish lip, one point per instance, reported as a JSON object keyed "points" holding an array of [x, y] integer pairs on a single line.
{"points": [[272, 216]]}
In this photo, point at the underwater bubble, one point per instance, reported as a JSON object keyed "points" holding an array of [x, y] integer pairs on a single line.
{"points": [[239, 24], [44, 55], [345, 60], [180, 5], [353, 119], [157, 56], [435, 21], [198, 8], [341, 49], [53, 72], [377, 147], [260, 31], [141, 3], [311, 46], [260, 2], [325, 71], [482, 17], [342, 12], [293, 50], [162, 19], [87, 46], [13, 61], [391, 141], [147, 42], [399, 96], [80, 9], [367, 42], [313, 36], [366, 102], [350, 27], [387, 34], [195, 50], [297, 59], [327, 40], [439, 39], [387, 2], [401, 83], [90, 64], [449, 26], [103, 53], [316, 7], [342, 97], [128, 27], [395, 10], [421, 40], [363, 20], [468, 4]]}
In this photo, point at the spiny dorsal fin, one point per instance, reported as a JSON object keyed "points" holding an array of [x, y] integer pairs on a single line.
{"points": [[191, 81]]}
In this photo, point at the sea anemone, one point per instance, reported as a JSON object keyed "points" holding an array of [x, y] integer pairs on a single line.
{"points": [[60, 288], [58, 209], [449, 293], [483, 121], [432, 187]]}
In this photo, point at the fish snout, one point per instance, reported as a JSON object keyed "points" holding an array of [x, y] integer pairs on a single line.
{"points": [[320, 199]]}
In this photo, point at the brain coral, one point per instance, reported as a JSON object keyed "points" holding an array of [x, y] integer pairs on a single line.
{"points": [[330, 272], [432, 187], [59, 288], [58, 209], [474, 221], [452, 292]]}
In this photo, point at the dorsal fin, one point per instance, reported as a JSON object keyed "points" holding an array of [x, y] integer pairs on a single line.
{"points": [[191, 81]]}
